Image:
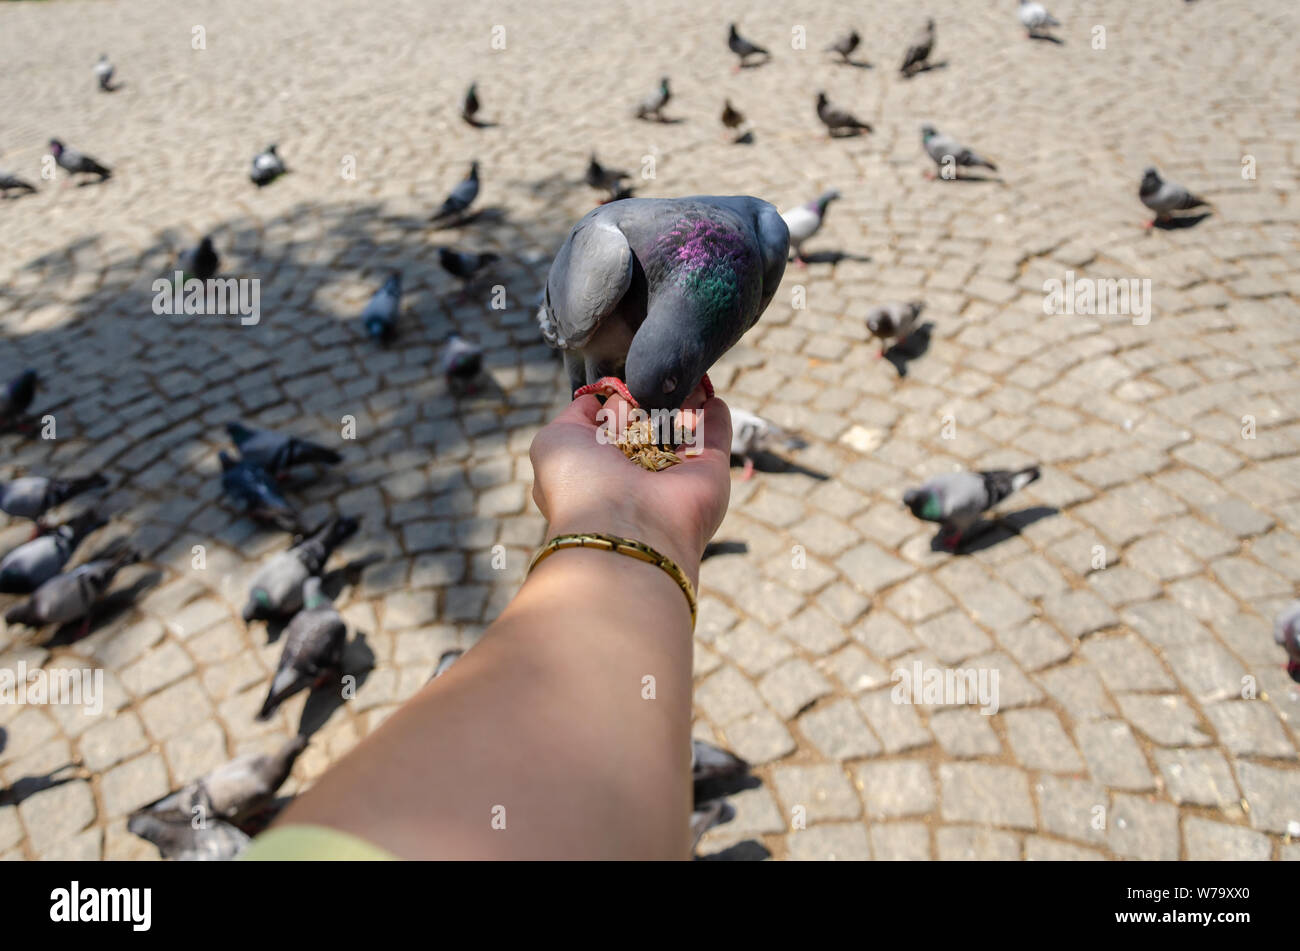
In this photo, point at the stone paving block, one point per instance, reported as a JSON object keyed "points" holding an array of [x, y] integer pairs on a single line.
{"points": [[984, 794], [1273, 795], [1207, 841], [897, 724], [1250, 728], [839, 732], [760, 738], [1140, 829], [965, 844], [965, 734], [830, 842], [900, 842], [824, 792], [1072, 808], [1039, 742], [896, 788]]}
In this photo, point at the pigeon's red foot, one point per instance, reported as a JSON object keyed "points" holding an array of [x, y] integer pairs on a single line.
{"points": [[749, 470], [606, 386], [1148, 225]]}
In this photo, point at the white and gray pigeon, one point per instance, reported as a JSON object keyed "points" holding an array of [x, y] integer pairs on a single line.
{"points": [[1164, 197], [461, 362], [895, 321], [267, 166], [838, 121], [918, 51], [382, 310], [10, 182], [177, 838], [947, 152], [1035, 18], [646, 294], [751, 433], [33, 496], [76, 163], [73, 596], [652, 107], [16, 396], [276, 589], [33, 563], [313, 648], [104, 73], [278, 453], [956, 500], [1286, 632], [461, 197], [805, 221]]}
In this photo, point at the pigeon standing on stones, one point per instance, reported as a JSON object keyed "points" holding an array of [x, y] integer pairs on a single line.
{"points": [[838, 121], [76, 163], [461, 197], [462, 362], [947, 152], [33, 563], [177, 837], [469, 108], [276, 589], [606, 179], [104, 73], [1286, 632], [652, 107], [646, 294], [277, 453], [957, 499], [15, 397], [743, 48], [464, 264], [845, 45], [33, 496], [751, 433], [893, 321], [1035, 18], [9, 181], [918, 51], [267, 167], [1164, 197], [313, 648], [805, 221], [73, 596], [252, 487], [380, 316], [200, 261]]}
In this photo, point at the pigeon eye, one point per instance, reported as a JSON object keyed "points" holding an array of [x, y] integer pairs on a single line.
{"points": [[670, 384]]}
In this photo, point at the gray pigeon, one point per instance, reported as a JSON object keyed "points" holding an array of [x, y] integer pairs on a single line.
{"points": [[267, 167], [1164, 197], [9, 181], [1286, 632], [710, 763], [76, 163], [464, 264], [652, 107], [805, 221], [178, 839], [845, 45], [606, 179], [200, 261], [73, 596], [838, 121], [918, 51], [382, 310], [646, 294], [33, 563], [893, 321], [947, 152], [461, 197], [276, 589], [104, 73], [33, 496], [277, 453], [743, 48], [461, 362], [313, 648], [751, 433], [957, 499]]}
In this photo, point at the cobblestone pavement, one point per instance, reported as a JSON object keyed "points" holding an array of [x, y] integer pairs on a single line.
{"points": [[1122, 732]]}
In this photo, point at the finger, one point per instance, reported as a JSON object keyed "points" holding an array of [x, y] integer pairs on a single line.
{"points": [[715, 426], [581, 410], [616, 418]]}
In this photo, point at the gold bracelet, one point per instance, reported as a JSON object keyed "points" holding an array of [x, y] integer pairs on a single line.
{"points": [[622, 546]]}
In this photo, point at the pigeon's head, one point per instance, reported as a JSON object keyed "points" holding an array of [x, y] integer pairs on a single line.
{"points": [[257, 606], [928, 132], [824, 201], [205, 245], [881, 322], [394, 283], [923, 503], [929, 24], [731, 29], [821, 99], [271, 149], [667, 358], [663, 84], [1150, 178], [473, 170], [56, 147]]}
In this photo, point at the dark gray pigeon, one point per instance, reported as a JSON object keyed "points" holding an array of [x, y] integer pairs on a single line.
{"points": [[177, 839], [201, 261], [845, 45], [15, 397], [382, 310], [652, 107], [277, 453], [918, 51], [104, 73], [9, 181], [710, 763], [73, 596], [957, 499], [1286, 632], [33, 563], [276, 589], [313, 648], [461, 197], [1164, 197], [839, 121], [464, 264], [254, 490], [33, 496], [606, 179], [646, 294], [947, 152], [469, 108], [743, 47], [895, 321], [267, 167], [461, 362], [76, 163]]}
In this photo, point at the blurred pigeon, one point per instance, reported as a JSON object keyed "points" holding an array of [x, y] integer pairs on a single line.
{"points": [[606, 179], [1035, 18], [381, 313], [837, 120], [104, 73], [462, 362], [918, 51], [947, 152], [252, 487], [276, 589], [313, 648], [448, 658], [277, 453], [73, 596], [200, 261], [709, 763], [176, 838], [9, 181], [895, 320], [652, 107], [654, 291], [1286, 632], [1164, 197], [743, 47], [76, 163], [751, 433], [469, 108], [16, 396], [957, 499], [33, 496], [845, 45], [464, 264], [805, 221], [33, 563], [732, 117], [461, 197], [267, 167]]}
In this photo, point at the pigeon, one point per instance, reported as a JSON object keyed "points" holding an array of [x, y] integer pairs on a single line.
{"points": [[33, 496], [918, 51], [947, 152], [710, 764], [1286, 632], [276, 452], [267, 167], [178, 839], [9, 181], [606, 179], [652, 107], [76, 163], [104, 73], [462, 362], [200, 261], [313, 648], [837, 120], [1035, 18], [895, 320], [470, 106], [381, 313], [448, 658], [647, 293], [956, 499], [16, 396], [73, 596], [33, 563], [732, 117], [743, 48], [275, 591], [751, 433], [845, 45], [464, 264], [805, 221], [254, 490], [461, 197], [1164, 197]]}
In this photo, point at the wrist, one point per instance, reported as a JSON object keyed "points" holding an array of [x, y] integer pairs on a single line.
{"points": [[635, 529]]}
